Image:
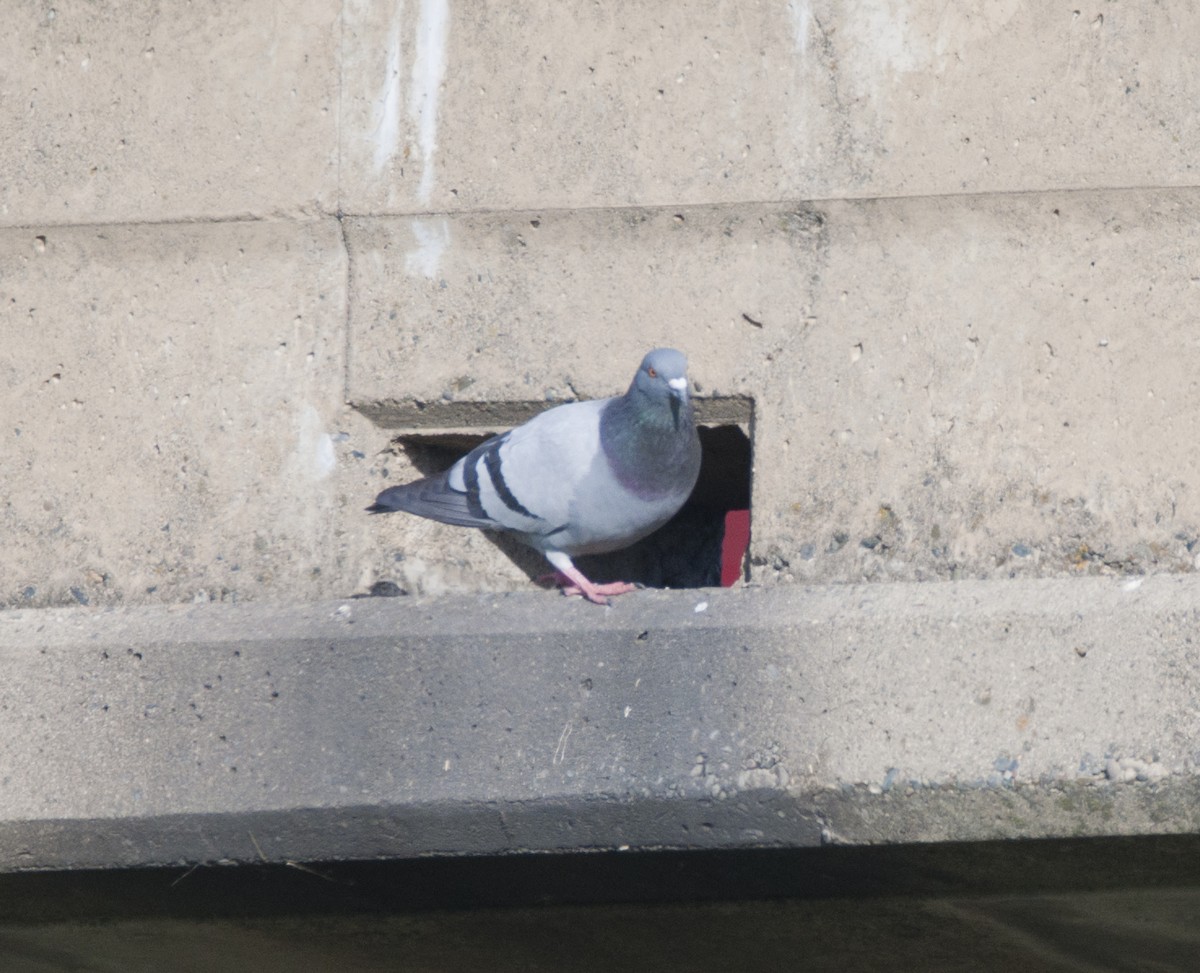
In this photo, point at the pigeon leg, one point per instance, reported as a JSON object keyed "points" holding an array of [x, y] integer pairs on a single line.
{"points": [[574, 583], [569, 587]]}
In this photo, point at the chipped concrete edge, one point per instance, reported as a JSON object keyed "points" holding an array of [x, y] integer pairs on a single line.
{"points": [[431, 418], [531, 723]]}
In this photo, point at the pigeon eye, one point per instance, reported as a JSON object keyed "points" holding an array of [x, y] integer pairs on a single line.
{"points": [[651, 372]]}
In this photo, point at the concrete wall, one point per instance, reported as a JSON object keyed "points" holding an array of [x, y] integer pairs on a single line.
{"points": [[940, 262], [950, 256]]}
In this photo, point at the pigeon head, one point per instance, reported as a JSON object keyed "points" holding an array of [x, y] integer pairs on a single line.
{"points": [[662, 377]]}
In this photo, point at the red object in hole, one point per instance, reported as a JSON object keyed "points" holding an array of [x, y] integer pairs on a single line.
{"points": [[733, 547]]}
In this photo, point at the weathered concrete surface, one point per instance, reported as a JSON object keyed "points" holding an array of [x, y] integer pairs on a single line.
{"points": [[971, 386], [980, 384], [172, 398], [449, 106], [904, 426], [788, 716], [129, 113], [122, 115], [944, 388]]}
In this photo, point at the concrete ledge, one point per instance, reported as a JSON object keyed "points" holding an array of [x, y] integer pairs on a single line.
{"points": [[501, 723]]}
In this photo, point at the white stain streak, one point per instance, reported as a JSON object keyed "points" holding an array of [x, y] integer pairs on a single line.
{"points": [[432, 236], [314, 447], [890, 37], [325, 456], [386, 130], [560, 752], [429, 68], [801, 11]]}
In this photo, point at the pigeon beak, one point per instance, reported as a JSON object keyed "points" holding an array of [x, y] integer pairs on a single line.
{"points": [[679, 394]]}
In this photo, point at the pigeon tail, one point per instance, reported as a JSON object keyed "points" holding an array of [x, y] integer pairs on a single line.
{"points": [[434, 498]]}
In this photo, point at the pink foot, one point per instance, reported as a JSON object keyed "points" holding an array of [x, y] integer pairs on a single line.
{"points": [[579, 585], [599, 593]]}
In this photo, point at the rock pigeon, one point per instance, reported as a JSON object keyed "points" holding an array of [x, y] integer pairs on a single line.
{"points": [[582, 478]]}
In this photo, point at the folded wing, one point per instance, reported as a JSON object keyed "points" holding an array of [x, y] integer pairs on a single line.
{"points": [[522, 481]]}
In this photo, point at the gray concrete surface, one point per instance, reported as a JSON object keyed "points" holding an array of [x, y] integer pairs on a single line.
{"points": [[133, 113], [946, 259], [573, 105], [939, 264], [794, 716], [171, 398], [905, 426]]}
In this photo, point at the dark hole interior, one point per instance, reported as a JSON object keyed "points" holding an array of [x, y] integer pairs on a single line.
{"points": [[684, 553]]}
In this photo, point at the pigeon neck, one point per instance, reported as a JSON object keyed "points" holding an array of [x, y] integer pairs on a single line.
{"points": [[647, 441]]}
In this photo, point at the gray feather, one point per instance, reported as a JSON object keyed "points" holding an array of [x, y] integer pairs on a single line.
{"points": [[432, 498]]}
